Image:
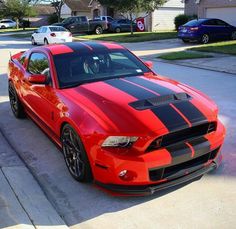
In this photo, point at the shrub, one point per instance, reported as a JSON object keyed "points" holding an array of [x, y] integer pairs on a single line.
{"points": [[52, 19], [181, 19]]}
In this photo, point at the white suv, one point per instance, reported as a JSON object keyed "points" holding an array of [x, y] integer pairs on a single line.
{"points": [[7, 23]]}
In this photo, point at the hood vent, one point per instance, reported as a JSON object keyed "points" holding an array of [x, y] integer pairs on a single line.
{"points": [[159, 101]]}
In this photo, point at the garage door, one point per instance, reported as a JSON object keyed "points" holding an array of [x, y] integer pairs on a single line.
{"points": [[227, 14], [163, 18]]}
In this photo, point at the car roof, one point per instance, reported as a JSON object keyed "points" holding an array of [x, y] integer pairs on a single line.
{"points": [[70, 47]]}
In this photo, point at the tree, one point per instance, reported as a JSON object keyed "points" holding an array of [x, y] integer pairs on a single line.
{"points": [[130, 7], [17, 9], [57, 4]]}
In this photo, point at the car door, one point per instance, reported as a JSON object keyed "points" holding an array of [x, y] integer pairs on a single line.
{"points": [[41, 99], [210, 27], [224, 29]]}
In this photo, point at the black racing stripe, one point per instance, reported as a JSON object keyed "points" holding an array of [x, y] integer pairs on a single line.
{"points": [[201, 146], [151, 85], [179, 153], [130, 89], [78, 47], [97, 47], [166, 114], [190, 112], [170, 118]]}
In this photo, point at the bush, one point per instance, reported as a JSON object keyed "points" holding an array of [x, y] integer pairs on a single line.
{"points": [[52, 19], [181, 19]]}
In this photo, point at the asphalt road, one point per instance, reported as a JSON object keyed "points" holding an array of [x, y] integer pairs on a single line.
{"points": [[206, 203]]}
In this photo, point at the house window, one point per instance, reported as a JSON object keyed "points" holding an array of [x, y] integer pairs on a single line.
{"points": [[96, 13]]}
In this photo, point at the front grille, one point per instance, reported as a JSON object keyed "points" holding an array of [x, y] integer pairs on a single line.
{"points": [[182, 135], [167, 172]]}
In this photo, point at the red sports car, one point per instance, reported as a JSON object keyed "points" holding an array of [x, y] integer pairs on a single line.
{"points": [[118, 123]]}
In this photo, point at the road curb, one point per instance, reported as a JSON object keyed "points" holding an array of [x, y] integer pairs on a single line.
{"points": [[30, 194]]}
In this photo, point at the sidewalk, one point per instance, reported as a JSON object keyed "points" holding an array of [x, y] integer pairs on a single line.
{"points": [[23, 204]]}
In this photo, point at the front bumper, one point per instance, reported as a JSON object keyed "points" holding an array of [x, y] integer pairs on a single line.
{"points": [[150, 189]]}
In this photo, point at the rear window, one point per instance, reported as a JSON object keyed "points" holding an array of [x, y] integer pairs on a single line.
{"points": [[194, 22], [57, 29]]}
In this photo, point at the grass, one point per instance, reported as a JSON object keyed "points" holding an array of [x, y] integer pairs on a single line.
{"points": [[182, 55], [27, 35], [126, 37], [226, 47], [16, 30]]}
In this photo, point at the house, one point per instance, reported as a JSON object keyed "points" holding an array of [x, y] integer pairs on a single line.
{"points": [[222, 9], [43, 11], [160, 19], [76, 8]]}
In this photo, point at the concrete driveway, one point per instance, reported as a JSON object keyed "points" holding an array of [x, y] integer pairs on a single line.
{"points": [[206, 203]]}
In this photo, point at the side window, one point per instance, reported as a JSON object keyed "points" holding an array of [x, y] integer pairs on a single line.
{"points": [[210, 22], [83, 19], [221, 23], [38, 64], [103, 18], [44, 29]]}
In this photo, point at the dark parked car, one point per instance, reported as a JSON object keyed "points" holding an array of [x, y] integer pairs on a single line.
{"points": [[122, 25], [205, 30], [82, 24]]}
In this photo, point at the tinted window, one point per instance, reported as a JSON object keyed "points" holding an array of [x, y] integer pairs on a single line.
{"points": [[110, 19], [44, 30], [222, 23], [22, 58], [86, 66], [103, 18], [57, 29], [194, 22], [6, 21], [210, 22], [38, 64], [83, 19]]}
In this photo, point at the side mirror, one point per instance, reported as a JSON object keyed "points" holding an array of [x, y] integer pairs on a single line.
{"points": [[149, 64], [38, 79]]}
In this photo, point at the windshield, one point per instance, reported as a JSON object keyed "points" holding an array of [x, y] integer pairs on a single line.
{"points": [[78, 68], [194, 22]]}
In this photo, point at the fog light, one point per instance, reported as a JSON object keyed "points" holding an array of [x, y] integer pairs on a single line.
{"points": [[122, 173], [127, 175]]}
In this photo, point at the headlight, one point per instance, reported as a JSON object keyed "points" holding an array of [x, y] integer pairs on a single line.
{"points": [[119, 141]]}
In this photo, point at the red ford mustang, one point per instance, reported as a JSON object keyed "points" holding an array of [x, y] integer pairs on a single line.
{"points": [[117, 122]]}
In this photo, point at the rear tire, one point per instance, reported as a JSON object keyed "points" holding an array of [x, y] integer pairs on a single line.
{"points": [[46, 41], [98, 30], [16, 106], [75, 155], [205, 39], [3, 27]]}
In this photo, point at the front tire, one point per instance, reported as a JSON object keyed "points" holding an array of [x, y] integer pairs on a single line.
{"points": [[16, 106], [118, 30], [233, 36], [33, 41], [205, 39], [75, 155], [98, 30], [185, 40]]}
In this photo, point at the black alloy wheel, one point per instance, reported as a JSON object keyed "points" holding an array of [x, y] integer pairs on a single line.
{"points": [[75, 156]]}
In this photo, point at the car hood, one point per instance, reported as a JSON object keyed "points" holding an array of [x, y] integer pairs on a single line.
{"points": [[143, 104]]}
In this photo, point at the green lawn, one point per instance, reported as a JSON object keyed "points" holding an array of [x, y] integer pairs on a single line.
{"points": [[182, 55], [26, 35], [226, 47], [16, 30], [126, 37]]}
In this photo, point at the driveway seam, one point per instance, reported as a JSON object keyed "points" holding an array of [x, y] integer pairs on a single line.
{"points": [[17, 197]]}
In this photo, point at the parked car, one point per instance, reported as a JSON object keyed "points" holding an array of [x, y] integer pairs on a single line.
{"points": [[51, 35], [107, 19], [116, 121], [81, 24], [121, 25], [7, 23], [205, 30]]}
